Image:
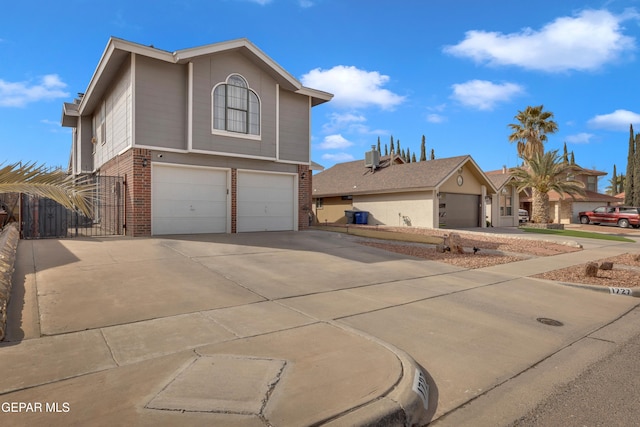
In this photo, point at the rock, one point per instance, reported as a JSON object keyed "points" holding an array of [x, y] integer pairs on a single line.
{"points": [[606, 265], [591, 269], [440, 249], [636, 257], [454, 244]]}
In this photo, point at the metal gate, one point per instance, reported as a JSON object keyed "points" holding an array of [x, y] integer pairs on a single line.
{"points": [[43, 218]]}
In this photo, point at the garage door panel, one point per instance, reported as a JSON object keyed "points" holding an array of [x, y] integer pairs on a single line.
{"points": [[187, 200], [265, 202]]}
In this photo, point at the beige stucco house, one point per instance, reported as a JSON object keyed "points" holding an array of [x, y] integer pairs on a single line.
{"points": [[212, 139], [502, 208], [450, 192]]}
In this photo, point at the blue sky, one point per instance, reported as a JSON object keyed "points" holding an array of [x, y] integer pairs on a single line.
{"points": [[456, 71]]}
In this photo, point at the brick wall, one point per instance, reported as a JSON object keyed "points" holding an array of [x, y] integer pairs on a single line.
{"points": [[234, 200], [304, 196], [137, 196]]}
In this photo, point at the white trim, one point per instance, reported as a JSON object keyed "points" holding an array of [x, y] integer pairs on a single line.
{"points": [[277, 121], [133, 100], [231, 134], [222, 153], [158, 148], [190, 106], [292, 162]]}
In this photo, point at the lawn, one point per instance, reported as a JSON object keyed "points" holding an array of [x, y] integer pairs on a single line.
{"points": [[577, 233]]}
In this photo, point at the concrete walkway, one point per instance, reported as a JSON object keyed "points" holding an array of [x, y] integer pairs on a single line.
{"points": [[290, 329]]}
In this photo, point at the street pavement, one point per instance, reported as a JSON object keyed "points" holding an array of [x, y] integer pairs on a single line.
{"points": [[292, 329]]}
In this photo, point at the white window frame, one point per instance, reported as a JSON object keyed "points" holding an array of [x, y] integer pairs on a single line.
{"points": [[231, 133]]}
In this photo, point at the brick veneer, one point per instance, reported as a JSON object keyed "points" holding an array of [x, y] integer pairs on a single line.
{"points": [[304, 196], [137, 196]]}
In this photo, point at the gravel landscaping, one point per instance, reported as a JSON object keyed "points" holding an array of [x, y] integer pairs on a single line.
{"points": [[494, 249]]}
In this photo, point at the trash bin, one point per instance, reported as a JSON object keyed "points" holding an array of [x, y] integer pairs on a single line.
{"points": [[362, 217], [351, 218]]}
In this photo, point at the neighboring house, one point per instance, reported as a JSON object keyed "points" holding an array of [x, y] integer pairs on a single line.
{"points": [[565, 211], [213, 139], [502, 209], [447, 192]]}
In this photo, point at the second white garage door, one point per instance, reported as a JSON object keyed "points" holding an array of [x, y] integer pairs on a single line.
{"points": [[266, 202], [188, 200]]}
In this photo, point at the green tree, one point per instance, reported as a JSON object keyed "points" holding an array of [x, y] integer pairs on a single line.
{"points": [[573, 159], [423, 149], [386, 150], [612, 189], [433, 155], [398, 148], [413, 158], [408, 155], [565, 155], [379, 152], [631, 169], [403, 154], [391, 146], [530, 133], [71, 192], [636, 173], [544, 173]]}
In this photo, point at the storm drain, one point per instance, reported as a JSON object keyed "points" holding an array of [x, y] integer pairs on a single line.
{"points": [[550, 322], [221, 383]]}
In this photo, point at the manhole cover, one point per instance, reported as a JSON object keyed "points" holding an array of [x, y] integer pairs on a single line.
{"points": [[550, 322]]}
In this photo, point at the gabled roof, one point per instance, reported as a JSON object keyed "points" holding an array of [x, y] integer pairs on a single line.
{"points": [[354, 178], [500, 177], [118, 50]]}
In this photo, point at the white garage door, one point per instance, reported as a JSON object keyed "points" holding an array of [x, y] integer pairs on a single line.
{"points": [[188, 200], [265, 202]]}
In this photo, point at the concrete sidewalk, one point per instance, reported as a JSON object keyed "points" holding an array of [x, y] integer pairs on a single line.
{"points": [[282, 329]]}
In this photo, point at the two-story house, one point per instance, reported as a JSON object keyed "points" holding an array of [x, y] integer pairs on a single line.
{"points": [[212, 139]]}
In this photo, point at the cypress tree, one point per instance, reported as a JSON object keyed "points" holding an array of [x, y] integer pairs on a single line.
{"points": [[573, 159], [391, 147], [423, 149], [614, 181], [379, 152], [408, 155], [403, 154], [629, 181], [433, 154], [565, 156], [413, 158], [398, 147], [386, 150], [636, 172]]}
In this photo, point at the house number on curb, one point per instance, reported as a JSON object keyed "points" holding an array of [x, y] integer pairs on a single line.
{"points": [[421, 388], [620, 291]]}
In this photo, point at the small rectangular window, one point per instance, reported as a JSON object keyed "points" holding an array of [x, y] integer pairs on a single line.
{"points": [[319, 203]]}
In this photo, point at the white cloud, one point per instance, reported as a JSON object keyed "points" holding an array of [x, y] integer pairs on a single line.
{"points": [[339, 121], [19, 94], [352, 87], [586, 41], [580, 138], [436, 118], [261, 2], [618, 120], [334, 142], [338, 157], [305, 3], [484, 95]]}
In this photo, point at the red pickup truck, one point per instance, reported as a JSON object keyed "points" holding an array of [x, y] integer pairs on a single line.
{"points": [[623, 216]]}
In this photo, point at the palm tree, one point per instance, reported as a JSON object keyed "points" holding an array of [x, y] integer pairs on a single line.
{"points": [[544, 173], [531, 131], [76, 193]]}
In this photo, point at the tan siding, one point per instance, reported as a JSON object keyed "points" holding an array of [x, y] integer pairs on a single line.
{"points": [[118, 121], [398, 209], [161, 103], [294, 127], [332, 210], [470, 184], [208, 72]]}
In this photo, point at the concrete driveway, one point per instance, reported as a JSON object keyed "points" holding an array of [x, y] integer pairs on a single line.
{"points": [[292, 329]]}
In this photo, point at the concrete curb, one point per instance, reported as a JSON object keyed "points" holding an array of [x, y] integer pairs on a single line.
{"points": [[8, 245], [411, 402], [629, 292]]}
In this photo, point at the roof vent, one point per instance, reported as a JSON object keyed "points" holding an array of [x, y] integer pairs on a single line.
{"points": [[372, 158]]}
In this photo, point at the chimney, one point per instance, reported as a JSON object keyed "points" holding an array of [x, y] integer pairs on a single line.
{"points": [[504, 169]]}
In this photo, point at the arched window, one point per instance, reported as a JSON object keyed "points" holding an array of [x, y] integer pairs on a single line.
{"points": [[236, 108]]}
